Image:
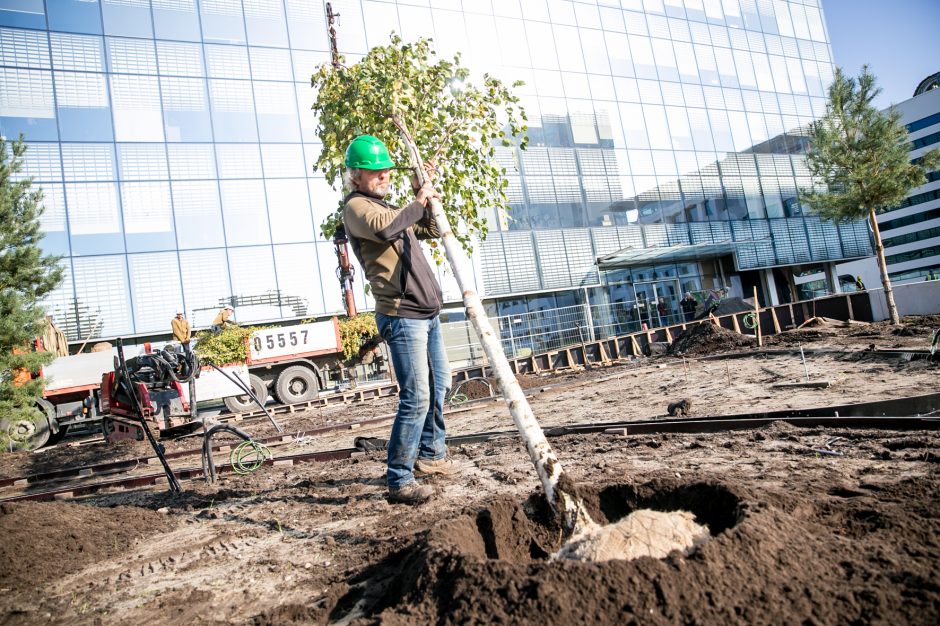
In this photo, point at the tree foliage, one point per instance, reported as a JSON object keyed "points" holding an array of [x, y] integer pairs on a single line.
{"points": [[859, 158], [456, 123], [352, 330], [228, 346], [860, 154], [26, 275]]}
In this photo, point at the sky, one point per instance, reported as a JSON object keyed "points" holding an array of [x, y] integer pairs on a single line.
{"points": [[898, 39]]}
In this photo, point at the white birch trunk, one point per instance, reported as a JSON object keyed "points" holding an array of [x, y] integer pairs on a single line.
{"points": [[566, 505]]}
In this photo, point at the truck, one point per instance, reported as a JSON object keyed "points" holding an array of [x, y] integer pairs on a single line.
{"points": [[290, 363], [294, 363]]}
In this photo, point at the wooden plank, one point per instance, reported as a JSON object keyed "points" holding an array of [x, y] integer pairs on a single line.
{"points": [[773, 316], [813, 384]]}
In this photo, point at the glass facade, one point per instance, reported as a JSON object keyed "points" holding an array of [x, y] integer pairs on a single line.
{"points": [[174, 142]]}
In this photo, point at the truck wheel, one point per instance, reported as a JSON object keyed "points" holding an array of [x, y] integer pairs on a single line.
{"points": [[244, 402], [296, 384], [49, 409], [26, 433]]}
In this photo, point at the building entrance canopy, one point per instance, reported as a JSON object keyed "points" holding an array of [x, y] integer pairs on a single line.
{"points": [[634, 257]]}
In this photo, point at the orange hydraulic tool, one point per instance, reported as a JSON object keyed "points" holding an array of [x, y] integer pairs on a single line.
{"points": [[345, 272]]}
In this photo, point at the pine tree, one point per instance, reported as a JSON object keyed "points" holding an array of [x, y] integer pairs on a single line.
{"points": [[860, 158], [26, 275]]}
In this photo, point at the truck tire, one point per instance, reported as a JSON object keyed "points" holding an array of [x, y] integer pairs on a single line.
{"points": [[244, 402], [25, 433], [296, 384]]}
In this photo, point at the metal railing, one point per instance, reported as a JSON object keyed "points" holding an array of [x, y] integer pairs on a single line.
{"points": [[523, 334]]}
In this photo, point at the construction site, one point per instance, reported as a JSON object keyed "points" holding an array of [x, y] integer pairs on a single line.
{"points": [[810, 458]]}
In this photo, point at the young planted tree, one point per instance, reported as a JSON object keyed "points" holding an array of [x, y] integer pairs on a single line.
{"points": [[26, 275], [428, 111], [860, 156]]}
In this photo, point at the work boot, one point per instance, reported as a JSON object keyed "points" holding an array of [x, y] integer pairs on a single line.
{"points": [[412, 493], [443, 467]]}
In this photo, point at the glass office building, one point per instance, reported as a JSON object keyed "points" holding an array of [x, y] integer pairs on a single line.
{"points": [[174, 143]]}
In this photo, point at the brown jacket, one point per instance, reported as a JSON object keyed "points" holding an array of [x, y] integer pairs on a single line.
{"points": [[221, 317], [385, 240], [181, 332]]}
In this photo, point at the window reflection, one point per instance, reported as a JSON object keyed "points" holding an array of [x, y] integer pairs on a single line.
{"points": [[277, 114], [206, 284], [245, 212], [222, 21], [175, 19], [155, 281], [76, 16], [265, 22], [148, 217], [289, 211], [297, 271], [102, 296], [84, 114], [233, 110], [254, 284], [198, 214], [130, 18], [185, 109], [136, 104], [26, 104]]}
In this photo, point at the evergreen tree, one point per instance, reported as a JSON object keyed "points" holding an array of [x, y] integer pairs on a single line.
{"points": [[26, 275], [860, 156]]}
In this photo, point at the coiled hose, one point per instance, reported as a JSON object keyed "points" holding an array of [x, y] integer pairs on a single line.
{"points": [[249, 456], [750, 321]]}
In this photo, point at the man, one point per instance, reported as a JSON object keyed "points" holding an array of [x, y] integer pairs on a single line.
{"points": [[859, 285], [689, 304], [407, 305], [222, 319], [181, 330], [713, 301]]}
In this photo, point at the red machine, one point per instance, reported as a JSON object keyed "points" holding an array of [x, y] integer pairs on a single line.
{"points": [[151, 391]]}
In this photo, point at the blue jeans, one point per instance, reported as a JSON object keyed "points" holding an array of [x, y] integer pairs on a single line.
{"points": [[423, 372]]}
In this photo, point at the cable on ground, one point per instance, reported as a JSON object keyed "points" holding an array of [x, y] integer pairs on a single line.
{"points": [[249, 456]]}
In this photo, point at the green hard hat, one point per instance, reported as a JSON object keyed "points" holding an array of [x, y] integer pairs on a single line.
{"points": [[368, 153]]}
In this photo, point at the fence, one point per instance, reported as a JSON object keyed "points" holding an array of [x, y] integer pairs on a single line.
{"points": [[597, 330], [525, 334]]}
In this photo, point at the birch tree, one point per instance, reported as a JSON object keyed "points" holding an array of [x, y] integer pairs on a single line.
{"points": [[427, 109]]}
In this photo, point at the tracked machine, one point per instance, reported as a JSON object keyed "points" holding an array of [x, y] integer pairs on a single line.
{"points": [[147, 391]]}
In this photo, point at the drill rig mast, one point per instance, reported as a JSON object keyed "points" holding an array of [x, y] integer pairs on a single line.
{"points": [[345, 272]]}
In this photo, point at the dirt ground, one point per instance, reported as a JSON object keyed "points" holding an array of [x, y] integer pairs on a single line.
{"points": [[812, 526]]}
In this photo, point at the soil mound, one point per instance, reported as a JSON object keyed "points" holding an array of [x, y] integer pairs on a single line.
{"points": [[772, 559], [798, 336], [492, 566], [73, 536], [732, 305], [706, 338]]}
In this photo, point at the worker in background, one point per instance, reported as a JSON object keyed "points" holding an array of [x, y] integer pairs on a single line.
{"points": [[931, 275], [859, 285], [223, 319], [408, 302], [713, 301], [53, 339], [689, 304], [181, 331]]}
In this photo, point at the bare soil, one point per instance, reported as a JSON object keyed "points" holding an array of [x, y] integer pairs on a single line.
{"points": [[808, 525]]}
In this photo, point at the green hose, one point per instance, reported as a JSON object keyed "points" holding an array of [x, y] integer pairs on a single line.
{"points": [[249, 456], [458, 398], [750, 321]]}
